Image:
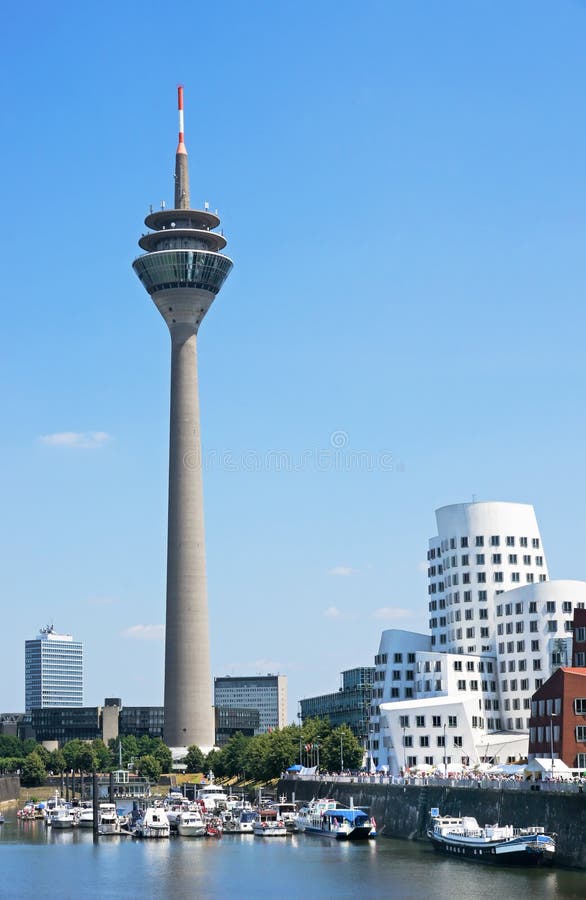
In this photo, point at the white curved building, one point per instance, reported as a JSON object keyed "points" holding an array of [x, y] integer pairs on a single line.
{"points": [[499, 628], [481, 550]]}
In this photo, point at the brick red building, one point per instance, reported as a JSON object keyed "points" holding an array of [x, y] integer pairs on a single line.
{"points": [[560, 705]]}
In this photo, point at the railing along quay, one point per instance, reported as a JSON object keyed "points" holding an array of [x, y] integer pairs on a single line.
{"points": [[490, 784]]}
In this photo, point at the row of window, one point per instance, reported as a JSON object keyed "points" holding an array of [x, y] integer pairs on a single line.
{"points": [[424, 740], [518, 647], [549, 707], [451, 562], [439, 587], [436, 721], [478, 541], [483, 665]]}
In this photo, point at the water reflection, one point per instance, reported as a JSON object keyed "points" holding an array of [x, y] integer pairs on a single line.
{"points": [[35, 858]]}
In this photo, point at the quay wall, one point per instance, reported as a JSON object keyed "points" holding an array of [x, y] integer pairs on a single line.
{"points": [[402, 811], [9, 788]]}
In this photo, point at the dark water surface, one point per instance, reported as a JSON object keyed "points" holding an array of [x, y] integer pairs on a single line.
{"points": [[39, 862]]}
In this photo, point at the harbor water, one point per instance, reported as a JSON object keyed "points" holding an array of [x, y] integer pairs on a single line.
{"points": [[36, 861]]}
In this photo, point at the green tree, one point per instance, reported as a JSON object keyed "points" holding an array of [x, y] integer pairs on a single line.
{"points": [[162, 753], [29, 746], [280, 754], [11, 764], [33, 771], [71, 751], [214, 762], [234, 754], [341, 748], [103, 755], [86, 759], [57, 762], [194, 760], [255, 757], [150, 768], [11, 746], [43, 753]]}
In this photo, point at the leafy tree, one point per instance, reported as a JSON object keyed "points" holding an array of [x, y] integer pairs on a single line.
{"points": [[149, 767], [162, 753], [57, 762], [341, 746], [86, 759], [214, 761], [11, 746], [71, 751], [103, 755], [234, 754], [33, 771], [10, 764], [194, 760], [29, 746], [43, 753], [255, 757], [281, 753]]}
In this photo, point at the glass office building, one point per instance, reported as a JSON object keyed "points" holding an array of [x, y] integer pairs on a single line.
{"points": [[265, 693], [53, 671], [350, 705]]}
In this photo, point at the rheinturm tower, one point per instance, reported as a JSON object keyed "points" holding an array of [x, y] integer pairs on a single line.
{"points": [[183, 270]]}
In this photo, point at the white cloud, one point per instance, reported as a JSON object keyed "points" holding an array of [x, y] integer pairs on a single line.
{"points": [[144, 632], [343, 571], [79, 439], [391, 612], [332, 612]]}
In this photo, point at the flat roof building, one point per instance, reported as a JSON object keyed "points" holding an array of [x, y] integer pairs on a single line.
{"points": [[349, 705], [266, 693], [53, 671]]}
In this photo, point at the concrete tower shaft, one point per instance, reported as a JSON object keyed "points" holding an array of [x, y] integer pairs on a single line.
{"points": [[183, 270]]}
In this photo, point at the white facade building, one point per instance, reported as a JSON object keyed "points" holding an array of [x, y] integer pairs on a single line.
{"points": [[53, 671], [499, 628], [266, 693]]}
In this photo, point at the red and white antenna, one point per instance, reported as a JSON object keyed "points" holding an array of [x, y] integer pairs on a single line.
{"points": [[181, 147]]}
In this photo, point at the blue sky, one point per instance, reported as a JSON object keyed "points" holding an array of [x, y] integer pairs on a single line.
{"points": [[402, 186]]}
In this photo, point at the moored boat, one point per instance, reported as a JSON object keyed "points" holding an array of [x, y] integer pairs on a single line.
{"points": [[329, 819], [86, 818], [268, 823], [213, 796], [108, 819], [62, 817], [153, 824], [502, 844], [189, 823]]}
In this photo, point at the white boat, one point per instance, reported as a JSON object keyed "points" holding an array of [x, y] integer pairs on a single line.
{"points": [[174, 811], [62, 817], [108, 819], [310, 815], [189, 823], [501, 844], [154, 823], [329, 819], [267, 823], [287, 811], [243, 823], [213, 796], [86, 818]]}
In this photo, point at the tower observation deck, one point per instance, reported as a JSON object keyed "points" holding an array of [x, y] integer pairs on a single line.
{"points": [[183, 270]]}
